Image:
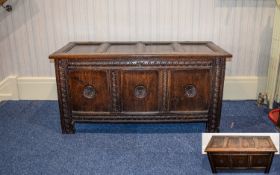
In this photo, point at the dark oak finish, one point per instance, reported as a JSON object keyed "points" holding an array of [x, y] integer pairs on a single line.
{"points": [[190, 90], [98, 81], [140, 82], [240, 152], [140, 91]]}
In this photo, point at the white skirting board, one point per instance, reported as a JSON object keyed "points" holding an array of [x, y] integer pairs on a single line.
{"points": [[9, 89], [37, 88], [243, 88], [44, 88]]}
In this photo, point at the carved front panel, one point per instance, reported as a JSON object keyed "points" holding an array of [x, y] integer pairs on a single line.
{"points": [[241, 161], [89, 90], [221, 161], [260, 160], [190, 90], [140, 90]]}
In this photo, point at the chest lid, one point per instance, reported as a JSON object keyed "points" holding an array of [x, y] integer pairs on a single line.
{"points": [[133, 49], [240, 144]]}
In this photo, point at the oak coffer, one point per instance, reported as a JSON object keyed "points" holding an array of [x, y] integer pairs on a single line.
{"points": [[140, 82], [240, 152]]}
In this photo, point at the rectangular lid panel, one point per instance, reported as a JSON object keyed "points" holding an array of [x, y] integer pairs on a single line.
{"points": [[197, 48], [86, 48], [83, 49], [159, 48], [240, 143], [121, 48], [91, 49]]}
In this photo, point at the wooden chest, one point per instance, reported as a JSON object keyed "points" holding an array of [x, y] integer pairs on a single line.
{"points": [[140, 82], [240, 152]]}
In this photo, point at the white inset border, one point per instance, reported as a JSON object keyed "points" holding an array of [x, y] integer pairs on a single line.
{"points": [[207, 136]]}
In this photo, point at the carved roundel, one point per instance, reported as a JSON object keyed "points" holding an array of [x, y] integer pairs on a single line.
{"points": [[89, 92], [260, 161], [190, 90], [140, 91]]}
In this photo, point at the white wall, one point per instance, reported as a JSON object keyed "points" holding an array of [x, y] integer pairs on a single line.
{"points": [[36, 28]]}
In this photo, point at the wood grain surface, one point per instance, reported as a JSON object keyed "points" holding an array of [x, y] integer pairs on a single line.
{"points": [[241, 144]]}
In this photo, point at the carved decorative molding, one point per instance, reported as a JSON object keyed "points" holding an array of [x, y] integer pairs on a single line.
{"points": [[215, 109], [154, 62], [115, 91], [165, 91], [142, 117], [65, 116]]}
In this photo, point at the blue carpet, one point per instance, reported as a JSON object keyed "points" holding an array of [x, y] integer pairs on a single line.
{"points": [[31, 142]]}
